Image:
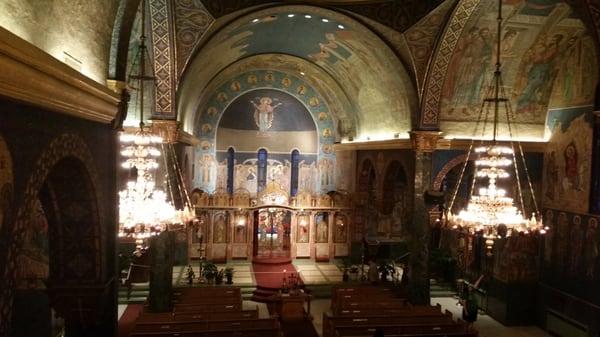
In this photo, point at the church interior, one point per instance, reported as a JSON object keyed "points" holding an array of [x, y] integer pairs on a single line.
{"points": [[300, 168]]}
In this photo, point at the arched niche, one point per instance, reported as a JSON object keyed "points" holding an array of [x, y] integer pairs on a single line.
{"points": [[395, 185], [295, 117], [61, 245], [367, 182]]}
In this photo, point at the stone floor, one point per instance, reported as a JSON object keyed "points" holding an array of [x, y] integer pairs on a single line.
{"points": [[318, 273], [487, 326]]}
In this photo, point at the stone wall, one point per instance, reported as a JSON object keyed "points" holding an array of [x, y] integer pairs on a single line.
{"points": [[80, 28]]}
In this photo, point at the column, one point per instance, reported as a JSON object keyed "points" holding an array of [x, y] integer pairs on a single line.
{"points": [[423, 143]]}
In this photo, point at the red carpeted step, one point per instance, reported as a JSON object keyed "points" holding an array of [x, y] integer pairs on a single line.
{"points": [[127, 320], [269, 279]]}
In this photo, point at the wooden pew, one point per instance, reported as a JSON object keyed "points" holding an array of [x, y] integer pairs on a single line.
{"points": [[330, 322], [194, 292], [161, 318], [372, 331], [339, 291], [175, 328], [420, 310], [392, 328], [371, 305], [272, 332], [215, 307]]}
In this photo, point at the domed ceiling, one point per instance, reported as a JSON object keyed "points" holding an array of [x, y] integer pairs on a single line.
{"points": [[339, 53]]}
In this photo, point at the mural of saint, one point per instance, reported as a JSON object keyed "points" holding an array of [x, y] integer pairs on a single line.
{"points": [[235, 86], [538, 65], [303, 229], [263, 113], [301, 90], [220, 234], [286, 82], [467, 69], [252, 80], [562, 231], [571, 179], [592, 250], [326, 171], [212, 111], [206, 128], [206, 169], [322, 228], [576, 238], [340, 229], [240, 233]]}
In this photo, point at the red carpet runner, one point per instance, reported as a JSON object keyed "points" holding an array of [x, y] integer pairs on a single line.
{"points": [[127, 320]]}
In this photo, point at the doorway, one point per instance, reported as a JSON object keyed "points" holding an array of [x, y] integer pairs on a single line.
{"points": [[272, 228]]}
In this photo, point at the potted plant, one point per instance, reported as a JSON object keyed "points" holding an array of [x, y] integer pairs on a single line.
{"points": [[354, 272], [386, 269], [219, 276], [229, 275], [209, 271]]}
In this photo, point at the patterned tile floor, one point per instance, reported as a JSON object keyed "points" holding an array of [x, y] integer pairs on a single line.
{"points": [[242, 273], [310, 272]]}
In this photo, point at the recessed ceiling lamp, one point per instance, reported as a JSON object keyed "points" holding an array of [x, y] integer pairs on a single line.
{"points": [[291, 15], [255, 20], [324, 20], [340, 27], [308, 16]]}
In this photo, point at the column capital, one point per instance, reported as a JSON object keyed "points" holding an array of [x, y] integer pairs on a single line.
{"points": [[167, 129], [116, 86], [424, 141]]}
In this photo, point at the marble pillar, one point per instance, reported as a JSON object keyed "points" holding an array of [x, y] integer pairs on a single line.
{"points": [[424, 143], [161, 272]]}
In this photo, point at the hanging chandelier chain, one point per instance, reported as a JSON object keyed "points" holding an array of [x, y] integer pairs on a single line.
{"points": [[169, 186], [510, 116], [490, 210], [180, 175], [469, 151]]}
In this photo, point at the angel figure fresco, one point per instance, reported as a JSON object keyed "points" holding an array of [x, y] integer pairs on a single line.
{"points": [[263, 113]]}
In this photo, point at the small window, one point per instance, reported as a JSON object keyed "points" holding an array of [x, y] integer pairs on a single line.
{"points": [[294, 177], [261, 170], [230, 164]]}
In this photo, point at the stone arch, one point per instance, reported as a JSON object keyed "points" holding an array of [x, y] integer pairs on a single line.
{"points": [[207, 119], [394, 174], [439, 178], [64, 146]]}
